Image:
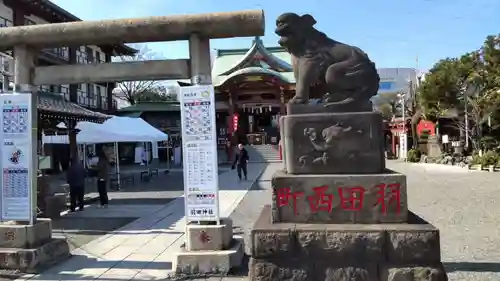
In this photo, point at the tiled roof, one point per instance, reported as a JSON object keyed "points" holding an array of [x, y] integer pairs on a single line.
{"points": [[229, 61], [56, 104], [257, 70], [152, 106]]}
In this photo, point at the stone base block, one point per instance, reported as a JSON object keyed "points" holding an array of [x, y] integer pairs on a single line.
{"points": [[209, 237], [34, 260], [414, 242], [54, 205], [343, 252], [434, 272], [334, 143], [25, 236], [209, 262], [370, 198], [334, 270]]}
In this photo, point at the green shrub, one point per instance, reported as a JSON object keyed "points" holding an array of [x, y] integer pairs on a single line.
{"points": [[476, 159], [489, 158], [413, 155]]}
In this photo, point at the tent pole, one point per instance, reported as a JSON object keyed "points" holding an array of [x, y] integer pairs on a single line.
{"points": [[117, 165]]}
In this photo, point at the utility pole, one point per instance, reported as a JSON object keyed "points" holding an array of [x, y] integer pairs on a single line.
{"points": [[466, 121]]}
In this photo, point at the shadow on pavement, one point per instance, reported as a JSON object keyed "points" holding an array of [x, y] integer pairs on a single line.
{"points": [[82, 230], [472, 266]]}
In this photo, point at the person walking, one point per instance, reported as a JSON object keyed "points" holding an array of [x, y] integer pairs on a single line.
{"points": [[102, 178], [241, 161], [76, 179]]}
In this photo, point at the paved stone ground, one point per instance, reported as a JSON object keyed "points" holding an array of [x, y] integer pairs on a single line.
{"points": [[81, 230], [465, 206], [146, 246]]}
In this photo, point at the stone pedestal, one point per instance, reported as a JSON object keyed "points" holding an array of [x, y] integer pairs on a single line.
{"points": [[339, 198], [30, 248], [209, 249], [337, 213]]}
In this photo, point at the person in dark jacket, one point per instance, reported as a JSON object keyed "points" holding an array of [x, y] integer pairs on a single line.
{"points": [[76, 179], [102, 178], [241, 161]]}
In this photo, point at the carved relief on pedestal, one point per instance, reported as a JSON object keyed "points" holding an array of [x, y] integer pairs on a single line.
{"points": [[328, 144]]}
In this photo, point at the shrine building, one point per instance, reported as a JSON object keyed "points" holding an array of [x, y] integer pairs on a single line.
{"points": [[252, 87]]}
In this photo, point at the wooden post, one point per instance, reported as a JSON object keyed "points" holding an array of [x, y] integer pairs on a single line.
{"points": [[24, 64], [282, 103]]}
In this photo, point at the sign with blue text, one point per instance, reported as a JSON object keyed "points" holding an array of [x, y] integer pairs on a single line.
{"points": [[16, 154], [199, 152]]}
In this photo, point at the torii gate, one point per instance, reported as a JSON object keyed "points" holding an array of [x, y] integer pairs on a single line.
{"points": [[198, 29]]}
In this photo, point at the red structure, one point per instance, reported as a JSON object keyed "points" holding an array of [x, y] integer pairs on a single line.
{"points": [[426, 126], [396, 128]]}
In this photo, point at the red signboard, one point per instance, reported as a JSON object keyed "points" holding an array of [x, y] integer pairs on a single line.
{"points": [[426, 125], [235, 122]]}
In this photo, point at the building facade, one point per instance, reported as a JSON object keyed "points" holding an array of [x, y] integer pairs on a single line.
{"points": [[96, 97], [60, 103]]}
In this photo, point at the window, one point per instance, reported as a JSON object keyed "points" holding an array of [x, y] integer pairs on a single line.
{"points": [[55, 89], [81, 55], [82, 95], [386, 85], [104, 103], [64, 52], [5, 22], [91, 97], [65, 92], [90, 54], [98, 56], [45, 88]]}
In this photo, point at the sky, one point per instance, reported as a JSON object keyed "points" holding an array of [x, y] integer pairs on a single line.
{"points": [[394, 33]]}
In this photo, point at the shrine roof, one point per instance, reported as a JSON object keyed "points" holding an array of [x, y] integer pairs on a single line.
{"points": [[275, 59], [52, 103], [286, 77]]}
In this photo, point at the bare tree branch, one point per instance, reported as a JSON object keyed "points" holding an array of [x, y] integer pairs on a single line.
{"points": [[131, 90]]}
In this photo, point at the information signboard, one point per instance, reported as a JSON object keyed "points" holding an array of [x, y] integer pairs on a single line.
{"points": [[16, 152], [199, 148]]}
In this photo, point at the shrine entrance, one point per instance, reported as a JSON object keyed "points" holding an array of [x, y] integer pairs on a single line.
{"points": [[27, 41], [259, 123], [255, 83]]}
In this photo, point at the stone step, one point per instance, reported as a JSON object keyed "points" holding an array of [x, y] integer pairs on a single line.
{"points": [[263, 154]]}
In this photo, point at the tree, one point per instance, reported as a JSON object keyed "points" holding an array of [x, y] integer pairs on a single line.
{"points": [[445, 87], [158, 94], [132, 91], [386, 104]]}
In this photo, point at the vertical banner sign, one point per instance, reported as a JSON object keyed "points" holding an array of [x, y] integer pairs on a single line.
{"points": [[403, 143], [235, 122], [199, 148], [16, 152]]}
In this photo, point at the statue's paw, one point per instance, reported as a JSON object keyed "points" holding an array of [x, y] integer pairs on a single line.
{"points": [[298, 100], [305, 160]]}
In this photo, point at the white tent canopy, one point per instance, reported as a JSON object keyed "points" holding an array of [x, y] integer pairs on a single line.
{"points": [[115, 129]]}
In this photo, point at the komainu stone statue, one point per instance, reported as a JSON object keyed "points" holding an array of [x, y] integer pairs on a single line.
{"points": [[345, 72]]}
